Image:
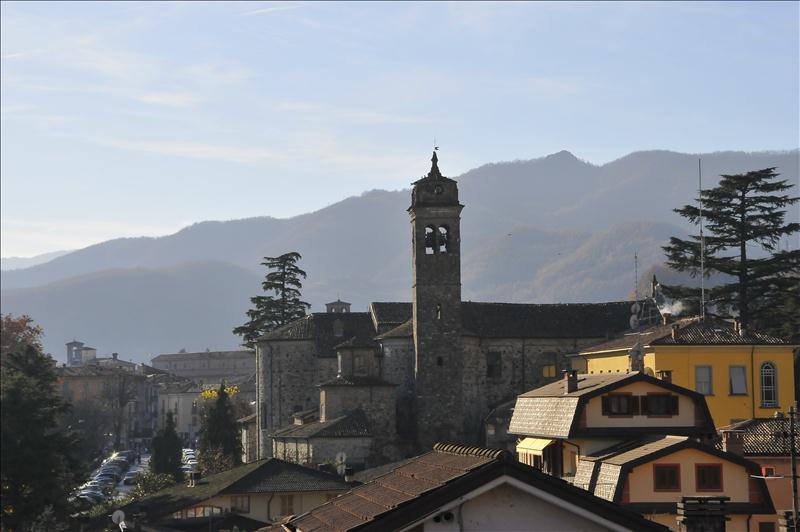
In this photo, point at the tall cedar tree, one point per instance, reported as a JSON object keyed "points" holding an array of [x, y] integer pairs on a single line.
{"points": [[219, 434], [167, 451], [744, 210], [272, 311], [38, 470]]}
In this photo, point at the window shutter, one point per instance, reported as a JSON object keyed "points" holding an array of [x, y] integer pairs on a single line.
{"points": [[635, 405], [606, 408], [644, 407], [673, 405]]}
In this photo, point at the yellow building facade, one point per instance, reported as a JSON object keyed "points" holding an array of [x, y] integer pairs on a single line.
{"points": [[742, 376]]}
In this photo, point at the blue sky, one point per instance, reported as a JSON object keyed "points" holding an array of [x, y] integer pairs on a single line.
{"points": [[127, 119]]}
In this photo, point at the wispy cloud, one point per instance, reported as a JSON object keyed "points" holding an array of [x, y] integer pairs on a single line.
{"points": [[17, 108], [326, 112], [189, 150], [272, 9], [171, 99]]}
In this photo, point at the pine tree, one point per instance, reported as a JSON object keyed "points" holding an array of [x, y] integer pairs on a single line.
{"points": [[219, 442], [281, 305], [167, 451], [38, 469], [742, 211]]}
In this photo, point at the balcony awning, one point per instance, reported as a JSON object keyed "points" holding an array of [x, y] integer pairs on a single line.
{"points": [[533, 445]]}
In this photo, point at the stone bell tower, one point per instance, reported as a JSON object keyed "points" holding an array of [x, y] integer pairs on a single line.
{"points": [[436, 249]]}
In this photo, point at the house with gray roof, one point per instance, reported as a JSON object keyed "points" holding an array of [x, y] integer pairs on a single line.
{"points": [[563, 421], [263, 492]]}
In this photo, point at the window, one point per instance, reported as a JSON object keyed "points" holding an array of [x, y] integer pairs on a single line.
{"points": [[666, 477], [338, 328], [738, 378], [620, 405], [766, 527], [359, 366], [549, 371], [768, 471], [287, 504], [240, 503], [659, 404], [430, 240], [494, 365], [708, 477], [702, 380], [769, 385], [444, 239]]}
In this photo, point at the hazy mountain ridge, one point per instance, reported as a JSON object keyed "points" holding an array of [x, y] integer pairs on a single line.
{"points": [[16, 263], [554, 229]]}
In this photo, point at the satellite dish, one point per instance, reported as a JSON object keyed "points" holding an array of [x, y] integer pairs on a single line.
{"points": [[635, 308], [117, 517], [634, 322]]}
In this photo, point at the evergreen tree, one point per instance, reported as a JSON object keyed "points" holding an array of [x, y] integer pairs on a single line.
{"points": [[38, 470], [167, 451], [219, 443], [281, 305], [742, 211]]}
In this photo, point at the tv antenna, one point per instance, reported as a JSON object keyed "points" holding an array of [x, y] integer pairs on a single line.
{"points": [[636, 275], [702, 242]]}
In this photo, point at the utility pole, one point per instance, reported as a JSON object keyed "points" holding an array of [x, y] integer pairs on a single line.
{"points": [[793, 454]]}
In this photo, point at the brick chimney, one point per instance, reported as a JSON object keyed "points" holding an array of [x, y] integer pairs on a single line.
{"points": [[570, 381], [733, 441], [703, 514]]}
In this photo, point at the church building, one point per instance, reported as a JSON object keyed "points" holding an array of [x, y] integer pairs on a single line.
{"points": [[386, 384]]}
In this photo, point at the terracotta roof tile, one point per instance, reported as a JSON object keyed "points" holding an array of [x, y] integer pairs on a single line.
{"points": [[764, 437]]}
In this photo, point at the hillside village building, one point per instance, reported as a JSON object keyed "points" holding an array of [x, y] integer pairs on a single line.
{"points": [[208, 367], [403, 376]]}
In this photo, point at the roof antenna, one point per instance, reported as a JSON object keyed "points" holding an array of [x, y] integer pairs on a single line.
{"points": [[702, 242], [636, 275]]}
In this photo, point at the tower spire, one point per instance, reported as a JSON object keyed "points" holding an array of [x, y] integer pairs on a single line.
{"points": [[435, 165]]}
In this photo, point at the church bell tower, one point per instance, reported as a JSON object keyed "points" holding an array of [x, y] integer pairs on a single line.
{"points": [[436, 243]]}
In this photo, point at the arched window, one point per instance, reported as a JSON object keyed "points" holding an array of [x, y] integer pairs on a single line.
{"points": [[430, 240], [769, 385], [444, 239]]}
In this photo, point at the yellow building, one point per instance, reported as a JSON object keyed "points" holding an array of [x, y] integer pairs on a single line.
{"points": [[742, 374]]}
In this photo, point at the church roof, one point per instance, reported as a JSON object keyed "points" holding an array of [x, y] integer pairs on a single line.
{"points": [[351, 425], [559, 320], [389, 315], [326, 329], [405, 330]]}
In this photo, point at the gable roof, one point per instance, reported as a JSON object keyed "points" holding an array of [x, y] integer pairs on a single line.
{"points": [[691, 331], [604, 472], [352, 425], [568, 320], [256, 477], [386, 315], [426, 482], [319, 327], [550, 412], [764, 436]]}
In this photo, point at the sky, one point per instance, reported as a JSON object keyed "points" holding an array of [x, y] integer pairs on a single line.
{"points": [[131, 119]]}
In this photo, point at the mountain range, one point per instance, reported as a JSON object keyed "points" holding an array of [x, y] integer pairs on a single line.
{"points": [[553, 229]]}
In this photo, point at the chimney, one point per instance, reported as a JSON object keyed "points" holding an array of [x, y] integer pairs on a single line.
{"points": [[114, 355], [194, 476], [666, 317], [733, 441], [702, 514], [570, 381], [742, 331], [736, 325], [348, 474], [676, 332], [665, 375]]}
